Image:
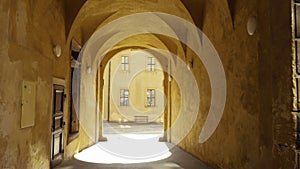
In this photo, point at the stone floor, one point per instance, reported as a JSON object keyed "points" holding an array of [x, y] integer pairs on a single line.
{"points": [[136, 147], [135, 128]]}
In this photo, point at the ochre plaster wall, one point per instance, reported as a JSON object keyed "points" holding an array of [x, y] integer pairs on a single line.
{"points": [[139, 80], [29, 32], [257, 129], [257, 119]]}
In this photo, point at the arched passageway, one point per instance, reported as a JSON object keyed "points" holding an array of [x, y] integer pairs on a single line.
{"points": [[102, 41], [243, 117], [177, 113]]}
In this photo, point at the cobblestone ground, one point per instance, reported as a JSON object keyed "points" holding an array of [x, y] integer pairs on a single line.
{"points": [[132, 128]]}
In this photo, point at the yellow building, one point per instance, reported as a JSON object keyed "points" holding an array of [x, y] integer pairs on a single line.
{"points": [[127, 71], [243, 57]]}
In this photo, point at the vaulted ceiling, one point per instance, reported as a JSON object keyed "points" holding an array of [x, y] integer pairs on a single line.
{"points": [[85, 17]]}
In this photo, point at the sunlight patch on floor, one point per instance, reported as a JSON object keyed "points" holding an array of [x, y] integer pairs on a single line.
{"points": [[126, 149]]}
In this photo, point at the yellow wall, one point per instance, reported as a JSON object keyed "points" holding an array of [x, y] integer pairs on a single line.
{"points": [[137, 80], [29, 32], [257, 129]]}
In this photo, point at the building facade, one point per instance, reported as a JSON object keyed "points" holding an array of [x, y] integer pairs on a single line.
{"points": [[133, 88], [257, 43]]}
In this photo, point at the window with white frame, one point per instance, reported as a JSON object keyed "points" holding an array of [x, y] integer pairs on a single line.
{"points": [[151, 64], [150, 97], [125, 63], [124, 97]]}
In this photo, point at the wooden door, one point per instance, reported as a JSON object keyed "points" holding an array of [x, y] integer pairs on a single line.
{"points": [[57, 146]]}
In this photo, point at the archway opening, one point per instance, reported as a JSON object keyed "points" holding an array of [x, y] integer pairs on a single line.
{"points": [[98, 49], [133, 100], [133, 108]]}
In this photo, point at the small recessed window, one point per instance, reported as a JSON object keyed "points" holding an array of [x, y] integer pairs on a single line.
{"points": [[150, 97], [124, 97], [151, 64], [125, 63]]}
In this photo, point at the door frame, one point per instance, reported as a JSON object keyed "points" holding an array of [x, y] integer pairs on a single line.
{"points": [[54, 161]]}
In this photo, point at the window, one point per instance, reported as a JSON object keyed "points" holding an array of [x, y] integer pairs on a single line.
{"points": [[125, 63], [74, 106], [150, 97], [74, 93], [124, 97], [151, 64]]}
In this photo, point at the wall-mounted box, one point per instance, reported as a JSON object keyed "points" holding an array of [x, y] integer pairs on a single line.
{"points": [[28, 104]]}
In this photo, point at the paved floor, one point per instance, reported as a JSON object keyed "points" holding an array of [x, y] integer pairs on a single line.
{"points": [[133, 151], [135, 128]]}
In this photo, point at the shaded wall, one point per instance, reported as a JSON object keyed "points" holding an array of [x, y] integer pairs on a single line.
{"points": [[29, 32], [257, 119], [257, 127]]}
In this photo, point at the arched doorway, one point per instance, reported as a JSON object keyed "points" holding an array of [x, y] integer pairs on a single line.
{"points": [[133, 94]]}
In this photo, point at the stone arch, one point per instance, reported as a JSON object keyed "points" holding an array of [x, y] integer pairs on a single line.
{"points": [[115, 15]]}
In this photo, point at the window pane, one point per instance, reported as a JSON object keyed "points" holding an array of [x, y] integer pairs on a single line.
{"points": [[149, 60], [124, 59], [58, 121], [124, 97], [56, 144], [298, 89], [58, 101], [125, 62], [298, 56], [297, 25], [151, 64], [151, 97]]}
